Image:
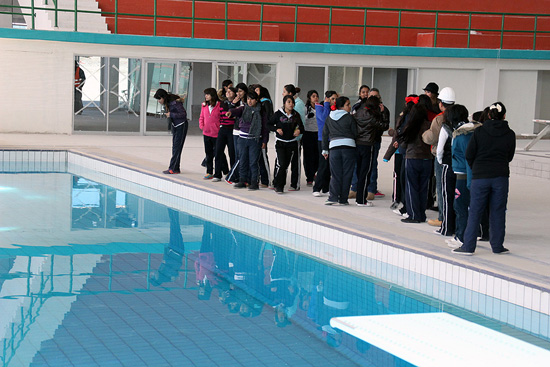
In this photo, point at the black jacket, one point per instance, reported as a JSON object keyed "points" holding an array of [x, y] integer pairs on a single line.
{"points": [[369, 126], [491, 149], [343, 126], [281, 120]]}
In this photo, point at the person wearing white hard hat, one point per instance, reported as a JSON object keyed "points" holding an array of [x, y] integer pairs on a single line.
{"points": [[446, 99]]}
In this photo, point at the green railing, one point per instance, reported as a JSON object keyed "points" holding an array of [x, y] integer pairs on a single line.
{"points": [[400, 27]]}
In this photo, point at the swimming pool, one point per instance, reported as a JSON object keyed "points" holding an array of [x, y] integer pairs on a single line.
{"points": [[111, 282]]}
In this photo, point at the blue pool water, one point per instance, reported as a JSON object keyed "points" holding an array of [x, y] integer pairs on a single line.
{"points": [[94, 276]]}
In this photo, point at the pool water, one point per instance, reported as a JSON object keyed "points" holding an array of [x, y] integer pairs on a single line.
{"points": [[94, 276]]}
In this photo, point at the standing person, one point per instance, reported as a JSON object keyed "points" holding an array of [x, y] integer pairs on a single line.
{"points": [[431, 137], [462, 133], [418, 161], [79, 80], [363, 94], [252, 139], [373, 185], [177, 114], [238, 101], [489, 153], [398, 196], [309, 139], [322, 180], [369, 122], [225, 136], [339, 134], [267, 113], [288, 127], [209, 123], [300, 106]]}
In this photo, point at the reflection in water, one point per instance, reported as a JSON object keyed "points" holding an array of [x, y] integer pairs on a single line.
{"points": [[127, 295]]}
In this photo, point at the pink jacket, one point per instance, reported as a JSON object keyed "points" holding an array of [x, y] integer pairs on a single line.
{"points": [[209, 122]]}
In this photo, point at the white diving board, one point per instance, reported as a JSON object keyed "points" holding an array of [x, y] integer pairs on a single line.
{"points": [[441, 339]]}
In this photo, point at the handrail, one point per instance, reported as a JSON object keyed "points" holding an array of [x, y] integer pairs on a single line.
{"points": [[535, 32]]}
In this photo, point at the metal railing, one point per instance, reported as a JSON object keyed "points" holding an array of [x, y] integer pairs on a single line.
{"points": [[399, 26]]}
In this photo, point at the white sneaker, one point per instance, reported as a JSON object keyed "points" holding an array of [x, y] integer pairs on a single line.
{"points": [[215, 179], [317, 194], [454, 243], [367, 203], [404, 215]]}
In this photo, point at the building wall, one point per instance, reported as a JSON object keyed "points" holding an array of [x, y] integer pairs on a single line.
{"points": [[37, 93]]}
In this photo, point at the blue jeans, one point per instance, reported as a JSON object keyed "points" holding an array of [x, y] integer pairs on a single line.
{"points": [[462, 201], [342, 164], [373, 185], [483, 192], [417, 174], [249, 154]]}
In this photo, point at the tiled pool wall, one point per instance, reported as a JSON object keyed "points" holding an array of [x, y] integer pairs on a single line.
{"points": [[518, 304]]}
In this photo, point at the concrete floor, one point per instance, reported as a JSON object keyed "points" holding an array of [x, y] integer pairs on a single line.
{"points": [[526, 236]]}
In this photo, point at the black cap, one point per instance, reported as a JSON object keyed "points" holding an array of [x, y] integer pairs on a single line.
{"points": [[160, 93], [432, 87]]}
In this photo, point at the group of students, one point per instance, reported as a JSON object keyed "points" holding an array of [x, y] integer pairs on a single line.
{"points": [[340, 141], [470, 161]]}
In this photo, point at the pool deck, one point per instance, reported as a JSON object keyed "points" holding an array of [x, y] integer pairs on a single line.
{"points": [[526, 236]]}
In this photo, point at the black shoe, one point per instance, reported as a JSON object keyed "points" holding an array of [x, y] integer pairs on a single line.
{"points": [[394, 205], [501, 251], [462, 251], [253, 187], [239, 185], [279, 191], [409, 220]]}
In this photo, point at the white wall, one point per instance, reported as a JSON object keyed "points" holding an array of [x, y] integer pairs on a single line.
{"points": [[517, 90], [37, 77]]}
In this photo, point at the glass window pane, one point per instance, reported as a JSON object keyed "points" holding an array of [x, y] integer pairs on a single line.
{"points": [[90, 94], [183, 82], [263, 74], [159, 75], [311, 78], [124, 94], [233, 72]]}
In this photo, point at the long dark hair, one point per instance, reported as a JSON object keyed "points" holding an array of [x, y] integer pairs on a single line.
{"points": [[417, 116], [309, 107], [213, 96], [168, 97], [291, 89], [372, 104], [455, 115], [264, 93]]}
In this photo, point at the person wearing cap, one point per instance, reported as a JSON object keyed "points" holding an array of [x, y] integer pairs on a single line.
{"points": [[178, 117], [431, 137], [432, 91]]}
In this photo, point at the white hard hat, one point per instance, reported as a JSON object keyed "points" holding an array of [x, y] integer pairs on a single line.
{"points": [[447, 95]]}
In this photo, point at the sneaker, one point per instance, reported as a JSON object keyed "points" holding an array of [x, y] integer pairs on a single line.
{"points": [[370, 196], [239, 185], [208, 176], [278, 191], [328, 202], [434, 222], [344, 204], [462, 251], [253, 187], [228, 181], [170, 172], [216, 179], [436, 231], [352, 194], [394, 205], [379, 195], [264, 186], [454, 242], [501, 251], [410, 220], [294, 188], [399, 212], [317, 194], [309, 184], [367, 203]]}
